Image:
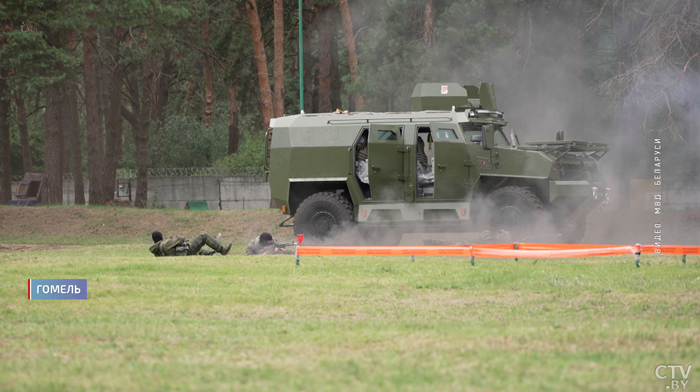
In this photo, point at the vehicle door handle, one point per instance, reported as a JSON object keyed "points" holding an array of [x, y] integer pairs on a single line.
{"points": [[375, 168]]}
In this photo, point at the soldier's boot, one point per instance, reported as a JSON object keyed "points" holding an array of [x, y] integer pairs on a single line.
{"points": [[503, 237], [486, 237], [224, 250]]}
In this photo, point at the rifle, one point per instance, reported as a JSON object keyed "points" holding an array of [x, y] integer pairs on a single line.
{"points": [[272, 249]]}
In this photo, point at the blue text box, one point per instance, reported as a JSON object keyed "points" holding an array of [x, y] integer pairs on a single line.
{"points": [[57, 288]]}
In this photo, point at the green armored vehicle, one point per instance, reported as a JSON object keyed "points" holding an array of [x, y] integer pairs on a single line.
{"points": [[447, 166]]}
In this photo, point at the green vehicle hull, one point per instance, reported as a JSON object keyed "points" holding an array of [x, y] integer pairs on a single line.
{"points": [[445, 167]]}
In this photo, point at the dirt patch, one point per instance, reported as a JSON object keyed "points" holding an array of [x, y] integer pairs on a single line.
{"points": [[238, 226], [29, 248]]}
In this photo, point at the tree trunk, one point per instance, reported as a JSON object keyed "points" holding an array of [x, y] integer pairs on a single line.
{"points": [[23, 133], [279, 58], [428, 24], [310, 104], [65, 127], [71, 111], [141, 138], [5, 162], [113, 126], [209, 94], [576, 97], [140, 142], [261, 61], [141, 151], [139, 118], [102, 71], [232, 120], [163, 89], [52, 192], [160, 105], [188, 95], [5, 172], [350, 42], [325, 36], [336, 101], [92, 120]]}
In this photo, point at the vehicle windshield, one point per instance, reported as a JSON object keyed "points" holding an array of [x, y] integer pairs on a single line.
{"points": [[499, 139], [471, 129]]}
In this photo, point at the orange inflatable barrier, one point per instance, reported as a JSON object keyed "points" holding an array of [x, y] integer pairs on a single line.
{"points": [[509, 251], [671, 249], [553, 253], [383, 251], [646, 249], [463, 251]]}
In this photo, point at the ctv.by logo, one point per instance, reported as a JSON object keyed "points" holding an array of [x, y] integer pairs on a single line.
{"points": [[662, 373]]}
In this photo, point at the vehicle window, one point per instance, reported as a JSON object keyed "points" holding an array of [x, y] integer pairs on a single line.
{"points": [[386, 135], [500, 140], [469, 130], [446, 134]]}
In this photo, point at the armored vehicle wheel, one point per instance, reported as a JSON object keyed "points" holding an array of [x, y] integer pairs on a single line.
{"points": [[323, 217], [515, 210]]}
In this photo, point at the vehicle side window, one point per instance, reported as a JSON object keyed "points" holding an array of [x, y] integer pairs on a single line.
{"points": [[500, 140], [386, 135], [446, 134]]}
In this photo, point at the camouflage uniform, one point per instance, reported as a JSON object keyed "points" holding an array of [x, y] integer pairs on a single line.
{"points": [[256, 248], [180, 246]]}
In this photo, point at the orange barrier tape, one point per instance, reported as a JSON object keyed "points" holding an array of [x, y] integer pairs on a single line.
{"points": [[525, 250], [555, 253], [383, 251], [528, 246], [646, 249], [463, 251], [491, 246], [671, 249]]}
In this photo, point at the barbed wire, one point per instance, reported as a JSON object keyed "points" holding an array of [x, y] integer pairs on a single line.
{"points": [[192, 172], [176, 172]]}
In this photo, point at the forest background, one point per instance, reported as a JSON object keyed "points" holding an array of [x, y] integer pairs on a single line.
{"points": [[87, 87]]}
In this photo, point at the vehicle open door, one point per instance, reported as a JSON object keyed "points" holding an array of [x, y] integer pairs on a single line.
{"points": [[386, 162], [452, 163]]}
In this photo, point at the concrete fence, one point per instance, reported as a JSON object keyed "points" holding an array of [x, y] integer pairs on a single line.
{"points": [[250, 192], [220, 192]]}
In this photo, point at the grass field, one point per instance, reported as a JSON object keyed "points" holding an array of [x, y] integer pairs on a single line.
{"points": [[345, 324]]}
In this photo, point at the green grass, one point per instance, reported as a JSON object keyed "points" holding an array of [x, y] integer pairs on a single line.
{"points": [[346, 324]]}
